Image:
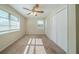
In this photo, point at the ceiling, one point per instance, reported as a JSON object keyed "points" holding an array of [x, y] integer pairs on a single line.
{"points": [[47, 8]]}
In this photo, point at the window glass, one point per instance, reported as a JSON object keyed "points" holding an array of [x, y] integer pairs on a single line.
{"points": [[14, 18], [4, 24], [14, 22], [3, 14], [40, 24]]}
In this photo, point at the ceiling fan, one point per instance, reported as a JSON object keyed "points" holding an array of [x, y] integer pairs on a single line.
{"points": [[35, 10]]}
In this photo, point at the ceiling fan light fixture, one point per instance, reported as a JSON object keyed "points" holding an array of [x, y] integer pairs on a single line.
{"points": [[35, 13], [35, 10]]}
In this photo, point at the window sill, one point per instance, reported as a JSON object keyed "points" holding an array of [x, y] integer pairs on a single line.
{"points": [[5, 32]]}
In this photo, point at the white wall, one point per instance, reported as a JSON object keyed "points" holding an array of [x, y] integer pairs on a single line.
{"points": [[32, 27], [8, 38], [60, 28]]}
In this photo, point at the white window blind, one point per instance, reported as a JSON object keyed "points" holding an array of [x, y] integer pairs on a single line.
{"points": [[40, 24], [8, 22]]}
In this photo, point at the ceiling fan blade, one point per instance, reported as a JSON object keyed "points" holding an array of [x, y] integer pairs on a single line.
{"points": [[40, 11], [27, 9], [28, 13]]}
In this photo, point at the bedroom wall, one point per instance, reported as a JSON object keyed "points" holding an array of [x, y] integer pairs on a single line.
{"points": [[32, 27], [8, 38]]}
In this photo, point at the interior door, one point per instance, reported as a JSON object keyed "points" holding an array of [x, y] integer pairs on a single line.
{"points": [[61, 28]]}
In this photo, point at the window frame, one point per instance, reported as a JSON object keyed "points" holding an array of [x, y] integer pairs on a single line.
{"points": [[9, 20]]}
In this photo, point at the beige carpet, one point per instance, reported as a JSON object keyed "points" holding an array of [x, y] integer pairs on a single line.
{"points": [[33, 44]]}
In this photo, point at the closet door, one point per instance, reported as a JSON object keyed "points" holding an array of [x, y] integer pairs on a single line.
{"points": [[61, 28]]}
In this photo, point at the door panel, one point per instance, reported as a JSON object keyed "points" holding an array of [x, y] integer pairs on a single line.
{"points": [[61, 28]]}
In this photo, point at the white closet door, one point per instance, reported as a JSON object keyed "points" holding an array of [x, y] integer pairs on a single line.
{"points": [[61, 28], [53, 27]]}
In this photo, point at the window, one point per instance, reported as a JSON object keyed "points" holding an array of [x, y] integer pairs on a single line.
{"points": [[4, 21], [40, 24], [14, 22], [8, 22]]}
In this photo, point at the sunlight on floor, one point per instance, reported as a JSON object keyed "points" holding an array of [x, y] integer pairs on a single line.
{"points": [[35, 46]]}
